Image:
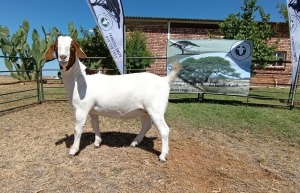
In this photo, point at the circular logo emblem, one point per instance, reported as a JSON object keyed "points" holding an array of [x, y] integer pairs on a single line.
{"points": [[240, 50], [293, 23], [105, 22]]}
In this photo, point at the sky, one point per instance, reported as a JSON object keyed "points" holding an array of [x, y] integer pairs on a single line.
{"points": [[58, 13]]}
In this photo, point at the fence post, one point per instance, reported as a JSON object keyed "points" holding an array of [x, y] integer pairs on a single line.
{"points": [[41, 86], [38, 86]]}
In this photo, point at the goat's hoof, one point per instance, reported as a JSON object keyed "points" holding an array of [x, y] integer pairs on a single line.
{"points": [[134, 144], [73, 151], [96, 146], [97, 142], [162, 158], [71, 156]]}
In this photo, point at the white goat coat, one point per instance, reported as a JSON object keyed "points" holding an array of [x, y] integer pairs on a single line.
{"points": [[119, 96]]}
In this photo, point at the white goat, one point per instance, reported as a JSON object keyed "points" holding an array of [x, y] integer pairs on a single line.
{"points": [[119, 96]]}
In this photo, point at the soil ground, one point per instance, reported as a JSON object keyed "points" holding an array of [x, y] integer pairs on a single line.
{"points": [[34, 143]]}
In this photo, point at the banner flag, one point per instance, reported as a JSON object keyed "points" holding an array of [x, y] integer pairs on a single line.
{"points": [[293, 7], [110, 19], [211, 66]]}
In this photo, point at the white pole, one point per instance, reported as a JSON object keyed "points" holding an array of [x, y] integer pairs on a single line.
{"points": [[169, 29], [124, 54]]}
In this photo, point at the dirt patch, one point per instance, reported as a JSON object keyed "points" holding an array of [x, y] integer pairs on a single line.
{"points": [[6, 79], [8, 84], [34, 144]]}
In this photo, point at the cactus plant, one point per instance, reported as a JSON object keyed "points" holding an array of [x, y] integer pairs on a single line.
{"points": [[73, 33], [16, 47], [25, 61]]}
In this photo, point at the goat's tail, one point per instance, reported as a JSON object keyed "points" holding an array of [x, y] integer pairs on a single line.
{"points": [[176, 67]]}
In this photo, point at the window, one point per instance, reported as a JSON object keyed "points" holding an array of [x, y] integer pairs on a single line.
{"points": [[280, 58]]}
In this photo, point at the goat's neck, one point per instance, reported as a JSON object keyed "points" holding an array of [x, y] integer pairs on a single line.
{"points": [[74, 76]]}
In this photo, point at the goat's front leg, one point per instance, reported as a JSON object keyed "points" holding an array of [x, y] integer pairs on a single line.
{"points": [[95, 125], [80, 124]]}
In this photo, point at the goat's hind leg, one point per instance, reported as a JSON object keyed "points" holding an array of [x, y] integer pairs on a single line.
{"points": [[95, 125], [164, 131], [146, 125], [80, 124]]}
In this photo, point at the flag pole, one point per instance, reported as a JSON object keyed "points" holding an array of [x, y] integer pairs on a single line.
{"points": [[124, 48], [295, 84]]}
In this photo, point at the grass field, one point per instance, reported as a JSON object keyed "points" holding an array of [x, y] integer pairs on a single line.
{"points": [[230, 119], [232, 114]]}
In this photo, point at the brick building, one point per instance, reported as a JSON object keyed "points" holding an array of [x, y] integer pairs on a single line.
{"points": [[159, 30]]}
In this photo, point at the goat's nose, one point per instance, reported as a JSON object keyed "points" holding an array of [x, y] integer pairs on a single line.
{"points": [[63, 57]]}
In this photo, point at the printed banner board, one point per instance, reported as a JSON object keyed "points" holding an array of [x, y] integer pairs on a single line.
{"points": [[293, 7], [211, 66], [110, 19]]}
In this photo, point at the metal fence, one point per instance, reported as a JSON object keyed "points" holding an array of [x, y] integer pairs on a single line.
{"points": [[16, 94]]}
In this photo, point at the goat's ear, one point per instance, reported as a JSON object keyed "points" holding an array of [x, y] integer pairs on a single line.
{"points": [[49, 53], [79, 52]]}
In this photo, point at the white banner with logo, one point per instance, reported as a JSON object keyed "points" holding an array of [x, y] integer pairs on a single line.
{"points": [[110, 19], [211, 66], [293, 7]]}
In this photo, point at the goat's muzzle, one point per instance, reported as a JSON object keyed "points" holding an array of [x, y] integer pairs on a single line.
{"points": [[63, 57]]}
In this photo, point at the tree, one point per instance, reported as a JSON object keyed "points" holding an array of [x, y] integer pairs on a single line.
{"points": [[202, 69], [136, 46], [283, 11], [243, 26], [94, 45]]}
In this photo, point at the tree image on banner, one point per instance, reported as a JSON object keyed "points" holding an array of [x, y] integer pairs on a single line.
{"points": [[205, 70], [184, 45]]}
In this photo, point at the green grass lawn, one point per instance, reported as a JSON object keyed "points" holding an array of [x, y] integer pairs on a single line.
{"points": [[233, 117]]}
